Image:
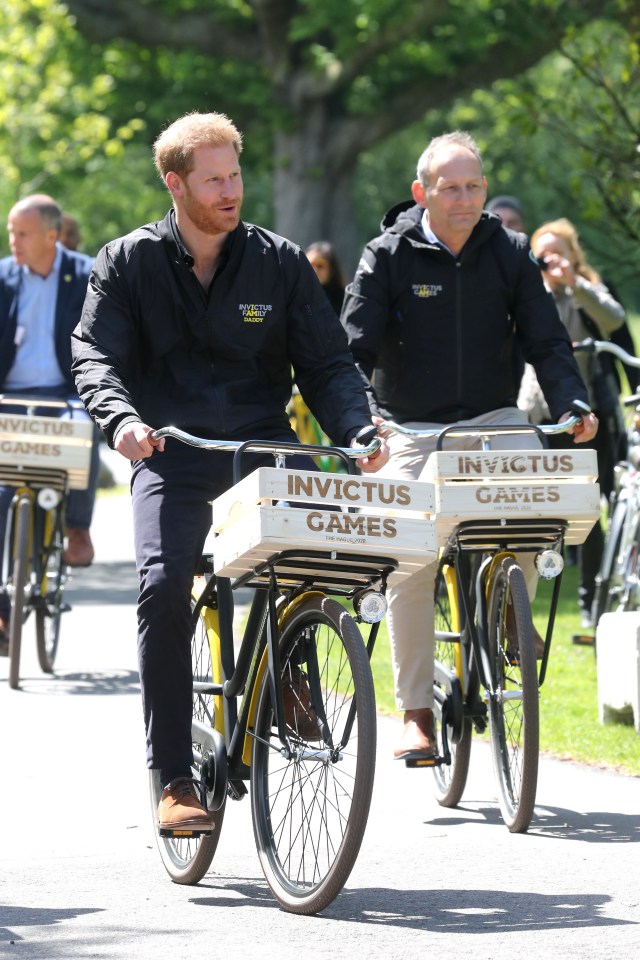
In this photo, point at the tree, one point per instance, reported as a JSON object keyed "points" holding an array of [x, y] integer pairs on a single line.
{"points": [[54, 130], [321, 83], [564, 137]]}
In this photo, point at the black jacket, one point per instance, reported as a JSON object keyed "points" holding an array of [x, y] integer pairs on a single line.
{"points": [[72, 287], [435, 333], [153, 346]]}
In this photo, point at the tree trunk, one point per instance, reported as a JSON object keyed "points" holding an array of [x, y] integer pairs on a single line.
{"points": [[313, 190]]}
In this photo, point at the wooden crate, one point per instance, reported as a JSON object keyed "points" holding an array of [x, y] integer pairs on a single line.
{"points": [[30, 446], [256, 519], [515, 485]]}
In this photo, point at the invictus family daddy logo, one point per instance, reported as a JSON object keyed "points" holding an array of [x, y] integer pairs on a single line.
{"points": [[423, 290], [254, 312]]}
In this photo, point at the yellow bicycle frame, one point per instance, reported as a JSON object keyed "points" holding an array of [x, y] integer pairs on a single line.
{"points": [[212, 625], [284, 613], [451, 583]]}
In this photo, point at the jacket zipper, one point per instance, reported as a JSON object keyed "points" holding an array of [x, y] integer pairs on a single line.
{"points": [[459, 329]]}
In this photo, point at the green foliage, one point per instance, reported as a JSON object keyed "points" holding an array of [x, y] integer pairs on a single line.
{"points": [[83, 97], [54, 130]]}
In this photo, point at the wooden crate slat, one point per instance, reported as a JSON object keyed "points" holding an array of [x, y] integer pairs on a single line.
{"points": [[266, 530], [513, 466], [394, 497], [47, 443]]}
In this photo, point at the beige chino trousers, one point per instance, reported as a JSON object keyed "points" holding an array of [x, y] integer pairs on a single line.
{"points": [[410, 618]]}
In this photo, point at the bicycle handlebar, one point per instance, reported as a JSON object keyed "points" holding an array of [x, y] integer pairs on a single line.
{"points": [[605, 346], [277, 449], [484, 430]]}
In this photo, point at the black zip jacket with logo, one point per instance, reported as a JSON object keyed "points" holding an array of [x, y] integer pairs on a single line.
{"points": [[152, 345], [433, 334]]}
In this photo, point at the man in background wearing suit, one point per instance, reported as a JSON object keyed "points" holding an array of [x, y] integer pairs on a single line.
{"points": [[42, 290]]}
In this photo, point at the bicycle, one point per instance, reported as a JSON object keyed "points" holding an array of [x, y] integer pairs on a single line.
{"points": [[310, 760], [490, 507], [42, 457], [617, 585]]}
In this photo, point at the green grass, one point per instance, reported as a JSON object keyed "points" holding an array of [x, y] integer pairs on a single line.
{"points": [[569, 723], [118, 490]]}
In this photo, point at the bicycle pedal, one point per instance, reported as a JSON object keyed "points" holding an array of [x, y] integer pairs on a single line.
{"points": [[181, 834], [414, 762], [583, 640]]}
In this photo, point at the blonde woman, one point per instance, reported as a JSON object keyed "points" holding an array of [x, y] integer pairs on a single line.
{"points": [[587, 309]]}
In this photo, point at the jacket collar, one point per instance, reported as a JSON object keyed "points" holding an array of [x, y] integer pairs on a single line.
{"points": [[405, 219], [168, 230]]}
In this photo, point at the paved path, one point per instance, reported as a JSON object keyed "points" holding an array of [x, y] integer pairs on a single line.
{"points": [[80, 875]]}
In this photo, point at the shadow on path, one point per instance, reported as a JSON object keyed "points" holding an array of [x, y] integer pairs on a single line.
{"points": [[558, 823], [100, 683], [103, 583], [438, 911]]}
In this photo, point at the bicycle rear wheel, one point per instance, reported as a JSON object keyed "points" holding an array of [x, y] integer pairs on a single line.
{"points": [[618, 581], [21, 521], [51, 604], [187, 859], [449, 779], [513, 708], [310, 810]]}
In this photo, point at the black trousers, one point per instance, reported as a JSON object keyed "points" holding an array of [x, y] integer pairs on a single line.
{"points": [[171, 496]]}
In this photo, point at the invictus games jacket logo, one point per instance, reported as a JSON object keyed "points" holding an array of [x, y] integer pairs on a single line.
{"points": [[423, 290], [254, 312]]}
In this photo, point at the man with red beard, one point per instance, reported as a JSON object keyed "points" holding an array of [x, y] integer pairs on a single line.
{"points": [[198, 321]]}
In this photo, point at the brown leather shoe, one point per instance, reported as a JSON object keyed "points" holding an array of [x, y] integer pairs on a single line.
{"points": [[513, 654], [4, 638], [79, 552], [180, 809], [299, 712], [418, 740]]}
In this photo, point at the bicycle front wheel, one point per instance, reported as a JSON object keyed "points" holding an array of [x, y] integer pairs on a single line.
{"points": [[513, 706], [310, 809], [187, 859], [50, 607], [450, 779], [21, 517]]}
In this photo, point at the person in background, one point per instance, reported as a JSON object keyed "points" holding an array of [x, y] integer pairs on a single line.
{"points": [[324, 260], [510, 211], [436, 303], [70, 236], [42, 289], [197, 321], [587, 309]]}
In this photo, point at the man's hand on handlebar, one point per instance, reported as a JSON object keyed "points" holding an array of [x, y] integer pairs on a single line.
{"points": [[134, 441], [583, 431], [376, 460]]}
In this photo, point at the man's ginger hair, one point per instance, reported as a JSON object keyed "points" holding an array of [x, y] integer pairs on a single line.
{"points": [[174, 148]]}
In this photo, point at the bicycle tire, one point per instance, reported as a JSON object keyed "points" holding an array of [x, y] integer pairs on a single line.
{"points": [[309, 815], [513, 723], [22, 519], [449, 779], [51, 605], [612, 574], [619, 592], [187, 859]]}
